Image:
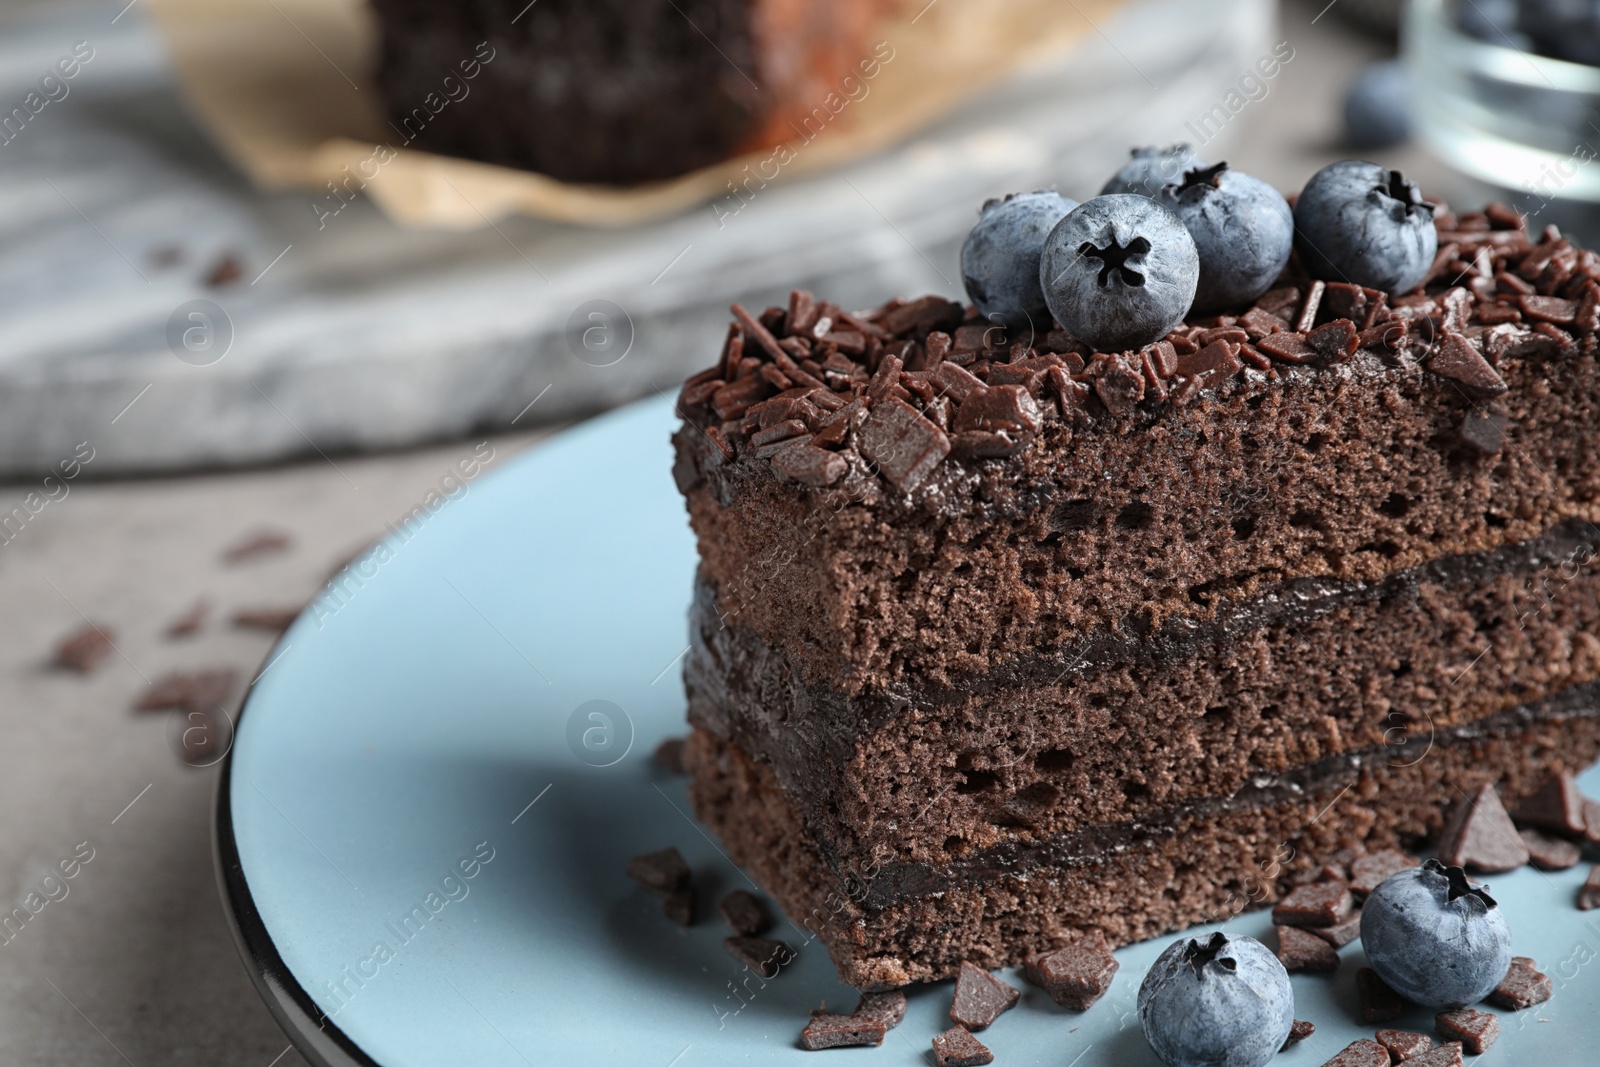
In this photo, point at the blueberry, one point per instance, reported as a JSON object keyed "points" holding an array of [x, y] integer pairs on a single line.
{"points": [[1000, 259], [1493, 22], [1435, 938], [1242, 228], [1119, 271], [1377, 109], [1225, 1002], [1565, 29], [1357, 222], [1149, 169]]}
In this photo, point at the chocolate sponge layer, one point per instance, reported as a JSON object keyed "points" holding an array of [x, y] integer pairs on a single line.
{"points": [[1202, 862], [1123, 726]]}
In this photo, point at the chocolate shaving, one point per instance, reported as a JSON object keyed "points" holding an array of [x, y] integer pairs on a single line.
{"points": [[841, 1031], [679, 906], [1300, 950], [1404, 1044], [980, 998], [1075, 975], [660, 872], [84, 650], [1549, 853], [669, 755], [256, 545], [1446, 1055], [743, 913], [1299, 1030], [1459, 360], [1523, 986], [1476, 1030], [1370, 871], [1379, 1003], [1478, 834], [1316, 904], [1362, 1053], [763, 956], [956, 1047], [903, 445], [195, 691], [1341, 935], [1589, 892], [1556, 805], [1484, 432], [272, 620], [189, 622]]}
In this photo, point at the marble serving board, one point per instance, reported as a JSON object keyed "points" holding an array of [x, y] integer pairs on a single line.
{"points": [[160, 313]]}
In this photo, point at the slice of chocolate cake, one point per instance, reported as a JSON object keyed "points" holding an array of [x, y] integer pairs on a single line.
{"points": [[997, 640]]}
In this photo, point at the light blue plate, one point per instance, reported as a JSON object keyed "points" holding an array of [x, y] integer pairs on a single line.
{"points": [[396, 739]]}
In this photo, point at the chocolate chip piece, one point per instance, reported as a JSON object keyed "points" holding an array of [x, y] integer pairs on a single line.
{"points": [[1549, 309], [958, 382], [1315, 904], [903, 445], [763, 956], [888, 1008], [669, 755], [272, 620], [1404, 1044], [189, 622], [679, 906], [1219, 358], [1484, 431], [1341, 935], [201, 691], [1459, 360], [1549, 853], [1589, 892], [1476, 1030], [1370, 871], [1379, 1003], [660, 872], [922, 316], [999, 408], [980, 998], [1556, 805], [1299, 1030], [958, 1048], [1119, 387], [1523, 986], [1335, 342], [1075, 975], [84, 650], [1287, 347], [1479, 835], [809, 465], [1446, 1055], [1363, 1053], [1300, 950], [826, 1030], [744, 914], [980, 444], [256, 545]]}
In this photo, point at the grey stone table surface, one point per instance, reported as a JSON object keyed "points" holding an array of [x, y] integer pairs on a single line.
{"points": [[135, 964]]}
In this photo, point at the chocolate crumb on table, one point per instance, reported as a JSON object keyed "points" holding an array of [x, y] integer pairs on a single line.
{"points": [[956, 1047], [889, 1008], [85, 649], [1302, 950], [1370, 871], [1341, 935], [272, 620], [669, 756], [1379, 1003], [1298, 1032], [1446, 1055], [1556, 805], [1523, 986], [1549, 853], [202, 691], [1362, 1053], [1479, 835], [1314, 904], [980, 998], [744, 913], [826, 1030], [224, 271], [762, 955], [660, 872], [1589, 892], [255, 545], [189, 622], [1077, 974], [1404, 1044], [679, 906], [1476, 1030]]}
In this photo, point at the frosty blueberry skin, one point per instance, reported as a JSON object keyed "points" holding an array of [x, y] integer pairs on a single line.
{"points": [[1119, 272], [1000, 258], [1224, 1002], [1150, 168], [1357, 222], [1435, 938], [1242, 228]]}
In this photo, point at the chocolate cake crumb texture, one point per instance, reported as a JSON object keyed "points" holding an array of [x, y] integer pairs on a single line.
{"points": [[200, 691], [679, 906], [1302, 950], [744, 914], [1363, 1053], [1341, 935], [1298, 1032], [660, 872], [84, 650], [669, 755], [1549, 853], [956, 1047], [1315, 904], [1523, 986], [1557, 805], [1368, 872], [1589, 892], [1446, 1055], [1476, 1030], [980, 998], [762, 955], [1077, 974], [1379, 1003], [1479, 835], [841, 1031], [1404, 1044]]}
